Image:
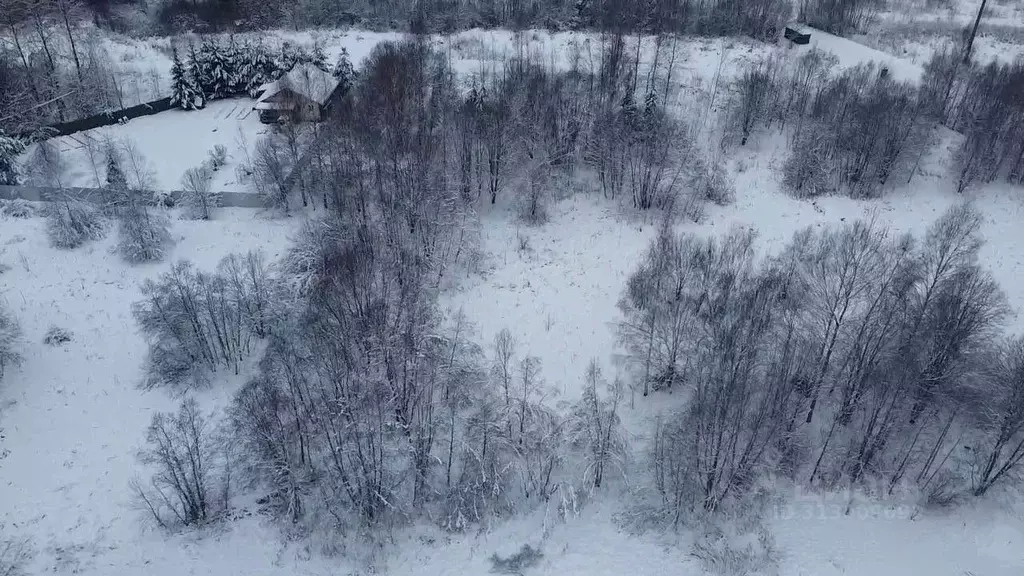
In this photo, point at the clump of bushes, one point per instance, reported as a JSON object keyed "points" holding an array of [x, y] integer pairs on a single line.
{"points": [[17, 208], [55, 336], [71, 223]]}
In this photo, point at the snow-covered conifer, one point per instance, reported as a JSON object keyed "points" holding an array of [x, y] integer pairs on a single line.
{"points": [[10, 149], [184, 92]]}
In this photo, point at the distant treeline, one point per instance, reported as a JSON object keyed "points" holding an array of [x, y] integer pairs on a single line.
{"points": [[711, 17]]}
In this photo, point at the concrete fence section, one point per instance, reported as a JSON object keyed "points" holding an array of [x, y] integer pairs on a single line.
{"points": [[43, 194]]}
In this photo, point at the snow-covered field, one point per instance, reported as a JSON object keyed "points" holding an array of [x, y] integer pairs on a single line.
{"points": [[170, 143], [73, 418], [914, 31], [72, 415]]}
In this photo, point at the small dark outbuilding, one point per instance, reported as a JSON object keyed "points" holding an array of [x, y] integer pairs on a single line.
{"points": [[797, 37]]}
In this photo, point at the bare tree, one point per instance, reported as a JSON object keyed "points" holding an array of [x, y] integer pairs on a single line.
{"points": [[180, 448], [143, 234], [271, 168], [594, 426], [1002, 425], [755, 107], [503, 364], [199, 202]]}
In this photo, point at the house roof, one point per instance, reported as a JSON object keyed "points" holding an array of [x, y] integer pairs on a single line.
{"points": [[304, 79], [272, 106]]}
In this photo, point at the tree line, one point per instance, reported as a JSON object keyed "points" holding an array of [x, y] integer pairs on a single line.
{"points": [[862, 132], [219, 69], [520, 131], [983, 103], [854, 358], [54, 68], [859, 132]]}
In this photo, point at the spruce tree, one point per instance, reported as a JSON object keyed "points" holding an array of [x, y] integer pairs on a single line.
{"points": [[220, 70], [319, 59], [257, 68], [238, 57], [184, 92], [290, 56], [344, 71], [115, 194], [115, 176], [194, 72], [214, 70]]}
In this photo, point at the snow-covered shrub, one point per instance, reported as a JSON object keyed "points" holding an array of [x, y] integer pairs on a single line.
{"points": [[945, 489], [517, 563], [163, 199], [15, 554], [196, 321], [55, 336], [736, 548], [197, 200], [807, 171], [712, 183], [71, 223], [143, 234], [217, 157], [10, 149], [17, 208], [180, 448], [45, 166], [523, 243], [10, 335]]}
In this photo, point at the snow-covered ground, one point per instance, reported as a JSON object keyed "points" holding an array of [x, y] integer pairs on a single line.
{"points": [[850, 53], [72, 414], [73, 418], [914, 31], [170, 143]]}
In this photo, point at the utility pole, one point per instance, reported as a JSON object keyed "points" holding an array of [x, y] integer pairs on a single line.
{"points": [[974, 31]]}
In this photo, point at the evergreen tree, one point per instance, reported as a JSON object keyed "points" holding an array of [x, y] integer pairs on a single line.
{"points": [[292, 54], [256, 68], [234, 59], [319, 59], [184, 93], [195, 71], [10, 149], [115, 176], [215, 70], [115, 193], [344, 71]]}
